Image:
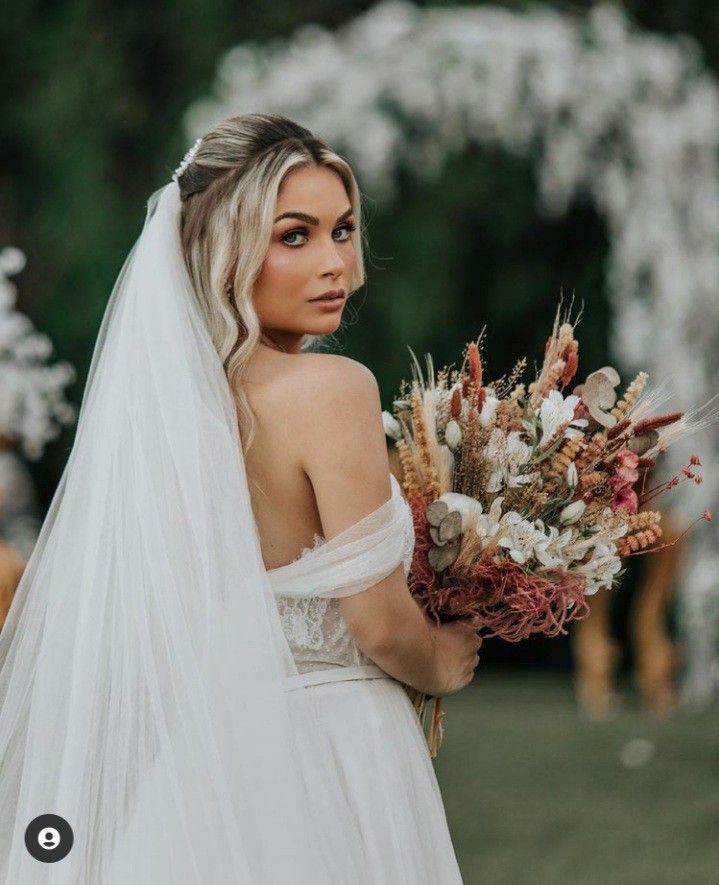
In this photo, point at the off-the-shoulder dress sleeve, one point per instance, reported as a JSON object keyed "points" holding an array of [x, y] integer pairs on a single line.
{"points": [[357, 558]]}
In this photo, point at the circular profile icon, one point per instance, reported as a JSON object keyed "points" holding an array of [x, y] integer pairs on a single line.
{"points": [[48, 838]]}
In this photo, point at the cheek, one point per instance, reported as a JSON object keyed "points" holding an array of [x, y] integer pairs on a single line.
{"points": [[350, 256], [281, 270], [280, 278]]}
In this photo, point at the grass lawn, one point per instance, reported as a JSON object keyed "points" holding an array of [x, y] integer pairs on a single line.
{"points": [[536, 794]]}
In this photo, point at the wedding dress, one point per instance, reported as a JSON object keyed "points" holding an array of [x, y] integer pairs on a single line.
{"points": [[368, 771], [371, 790], [188, 716]]}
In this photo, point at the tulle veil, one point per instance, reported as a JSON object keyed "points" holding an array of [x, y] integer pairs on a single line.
{"points": [[142, 661]]}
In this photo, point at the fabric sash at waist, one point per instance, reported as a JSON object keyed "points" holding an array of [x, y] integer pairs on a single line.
{"points": [[334, 674]]}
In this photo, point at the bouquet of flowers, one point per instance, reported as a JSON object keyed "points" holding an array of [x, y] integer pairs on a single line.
{"points": [[525, 500]]}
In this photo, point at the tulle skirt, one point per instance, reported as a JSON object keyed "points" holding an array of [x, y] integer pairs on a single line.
{"points": [[371, 788], [372, 785]]}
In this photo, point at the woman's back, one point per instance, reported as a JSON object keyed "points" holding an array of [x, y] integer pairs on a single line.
{"points": [[291, 396], [282, 497]]}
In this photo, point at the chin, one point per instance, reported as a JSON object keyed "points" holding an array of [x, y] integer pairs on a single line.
{"points": [[326, 326]]}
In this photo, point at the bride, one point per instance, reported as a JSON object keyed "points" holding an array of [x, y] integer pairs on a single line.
{"points": [[201, 671]]}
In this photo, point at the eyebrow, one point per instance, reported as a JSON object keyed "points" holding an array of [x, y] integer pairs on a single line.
{"points": [[310, 219]]}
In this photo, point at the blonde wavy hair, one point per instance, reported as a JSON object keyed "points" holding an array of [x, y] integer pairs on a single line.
{"points": [[229, 192]]}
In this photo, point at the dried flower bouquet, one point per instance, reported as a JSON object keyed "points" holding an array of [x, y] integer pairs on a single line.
{"points": [[525, 500]]}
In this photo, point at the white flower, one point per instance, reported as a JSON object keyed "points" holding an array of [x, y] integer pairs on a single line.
{"points": [[556, 410], [572, 476], [533, 540], [468, 508], [601, 568], [12, 261], [572, 512], [520, 536], [495, 452], [453, 434], [508, 530], [391, 425], [603, 561], [551, 550], [518, 454], [487, 524], [508, 453], [523, 540], [32, 400], [489, 407], [517, 450]]}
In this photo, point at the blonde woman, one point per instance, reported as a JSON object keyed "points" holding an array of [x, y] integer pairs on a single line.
{"points": [[201, 673]]}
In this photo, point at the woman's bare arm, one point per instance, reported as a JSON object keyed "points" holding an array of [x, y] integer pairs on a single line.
{"points": [[344, 454]]}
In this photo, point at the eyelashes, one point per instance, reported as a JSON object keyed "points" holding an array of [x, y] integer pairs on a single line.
{"points": [[302, 231]]}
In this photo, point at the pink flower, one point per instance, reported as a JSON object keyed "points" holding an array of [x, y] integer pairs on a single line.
{"points": [[626, 465], [626, 458], [618, 482], [626, 498]]}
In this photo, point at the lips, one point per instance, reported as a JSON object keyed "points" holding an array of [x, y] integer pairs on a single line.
{"points": [[333, 295]]}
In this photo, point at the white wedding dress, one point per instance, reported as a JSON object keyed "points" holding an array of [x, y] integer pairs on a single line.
{"points": [[369, 776], [194, 718], [369, 779]]}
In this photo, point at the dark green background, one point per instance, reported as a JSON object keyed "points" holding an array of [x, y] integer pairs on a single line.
{"points": [[93, 95]]}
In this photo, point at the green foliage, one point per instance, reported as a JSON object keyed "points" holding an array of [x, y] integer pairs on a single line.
{"points": [[93, 100], [471, 249]]}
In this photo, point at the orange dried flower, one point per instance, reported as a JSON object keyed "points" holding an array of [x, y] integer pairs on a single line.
{"points": [[456, 407], [630, 397], [639, 541], [475, 364], [618, 428], [548, 380], [571, 357], [421, 437], [642, 520], [592, 452], [591, 479], [560, 460], [657, 421]]}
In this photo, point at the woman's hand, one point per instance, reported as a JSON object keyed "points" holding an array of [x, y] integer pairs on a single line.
{"points": [[457, 645]]}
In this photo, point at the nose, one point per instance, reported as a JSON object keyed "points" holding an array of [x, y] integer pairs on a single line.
{"points": [[332, 261]]}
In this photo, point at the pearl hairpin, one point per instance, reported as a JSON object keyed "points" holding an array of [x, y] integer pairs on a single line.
{"points": [[186, 160]]}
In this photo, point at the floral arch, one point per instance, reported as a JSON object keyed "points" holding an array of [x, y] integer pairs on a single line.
{"points": [[630, 119]]}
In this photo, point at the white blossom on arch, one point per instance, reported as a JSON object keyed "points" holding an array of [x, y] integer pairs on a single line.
{"points": [[629, 118], [32, 400]]}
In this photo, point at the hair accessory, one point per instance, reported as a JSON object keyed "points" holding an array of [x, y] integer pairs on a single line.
{"points": [[186, 160]]}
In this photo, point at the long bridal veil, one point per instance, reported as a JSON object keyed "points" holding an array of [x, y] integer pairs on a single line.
{"points": [[142, 662]]}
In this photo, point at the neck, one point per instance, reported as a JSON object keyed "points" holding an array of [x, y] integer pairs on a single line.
{"points": [[284, 342]]}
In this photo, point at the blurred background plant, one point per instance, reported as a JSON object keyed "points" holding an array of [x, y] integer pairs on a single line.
{"points": [[33, 410], [507, 152]]}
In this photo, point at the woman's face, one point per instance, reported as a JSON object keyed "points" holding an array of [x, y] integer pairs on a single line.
{"points": [[310, 253]]}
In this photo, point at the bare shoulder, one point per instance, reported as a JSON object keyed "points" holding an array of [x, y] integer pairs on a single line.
{"points": [[337, 416], [326, 373], [330, 393], [301, 387]]}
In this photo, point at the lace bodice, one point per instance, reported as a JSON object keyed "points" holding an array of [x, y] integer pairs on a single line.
{"points": [[313, 625]]}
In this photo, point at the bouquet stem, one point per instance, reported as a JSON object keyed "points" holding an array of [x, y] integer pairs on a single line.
{"points": [[436, 730]]}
